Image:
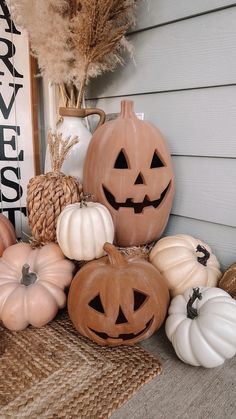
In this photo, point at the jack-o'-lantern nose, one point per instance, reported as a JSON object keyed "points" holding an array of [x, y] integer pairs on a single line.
{"points": [[139, 180], [121, 317]]}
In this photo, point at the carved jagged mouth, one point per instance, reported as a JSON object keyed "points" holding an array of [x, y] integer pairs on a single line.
{"points": [[124, 336], [137, 206]]}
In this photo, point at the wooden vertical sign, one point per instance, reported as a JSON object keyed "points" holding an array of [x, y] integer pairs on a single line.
{"points": [[17, 133]]}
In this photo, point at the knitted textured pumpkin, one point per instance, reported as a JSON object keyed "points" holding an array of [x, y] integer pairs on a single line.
{"points": [[117, 302], [7, 234], [228, 281], [48, 194], [185, 262], [128, 169], [32, 284]]}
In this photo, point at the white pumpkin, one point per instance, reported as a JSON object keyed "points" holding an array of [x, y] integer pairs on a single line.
{"points": [[185, 262], [82, 230], [208, 336]]}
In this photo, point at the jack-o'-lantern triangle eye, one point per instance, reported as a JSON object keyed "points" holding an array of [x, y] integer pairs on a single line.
{"points": [[156, 161], [139, 299], [96, 304], [121, 161]]}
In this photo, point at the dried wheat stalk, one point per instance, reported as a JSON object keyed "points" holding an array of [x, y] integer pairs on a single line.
{"points": [[75, 40], [59, 149]]}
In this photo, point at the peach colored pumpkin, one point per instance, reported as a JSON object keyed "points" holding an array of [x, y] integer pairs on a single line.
{"points": [[32, 283], [7, 234], [128, 169]]}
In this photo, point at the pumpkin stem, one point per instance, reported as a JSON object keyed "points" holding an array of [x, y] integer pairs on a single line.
{"points": [[84, 199], [28, 278], [127, 109], [115, 257], [191, 311], [203, 259]]}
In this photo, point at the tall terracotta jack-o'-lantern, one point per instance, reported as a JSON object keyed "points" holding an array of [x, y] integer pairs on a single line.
{"points": [[117, 302], [128, 169]]}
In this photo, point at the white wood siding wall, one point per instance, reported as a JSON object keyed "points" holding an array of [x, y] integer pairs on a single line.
{"points": [[183, 77]]}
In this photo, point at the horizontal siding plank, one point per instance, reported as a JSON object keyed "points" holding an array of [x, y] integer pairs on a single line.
{"points": [[157, 12], [206, 189], [195, 122], [192, 53], [220, 238]]}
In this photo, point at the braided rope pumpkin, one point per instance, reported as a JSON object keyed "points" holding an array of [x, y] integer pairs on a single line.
{"points": [[49, 194]]}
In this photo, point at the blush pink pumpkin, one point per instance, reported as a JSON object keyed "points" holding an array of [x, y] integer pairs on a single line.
{"points": [[7, 234], [32, 283]]}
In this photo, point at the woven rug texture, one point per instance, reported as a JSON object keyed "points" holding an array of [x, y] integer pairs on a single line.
{"points": [[53, 372]]}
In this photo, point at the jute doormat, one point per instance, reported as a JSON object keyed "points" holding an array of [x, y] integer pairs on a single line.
{"points": [[52, 372]]}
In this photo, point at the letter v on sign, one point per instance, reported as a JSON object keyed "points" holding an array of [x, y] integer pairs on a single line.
{"points": [[6, 109]]}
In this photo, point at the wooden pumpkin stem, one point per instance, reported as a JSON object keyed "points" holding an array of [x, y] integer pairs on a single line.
{"points": [[28, 278], [115, 257], [191, 311], [203, 259]]}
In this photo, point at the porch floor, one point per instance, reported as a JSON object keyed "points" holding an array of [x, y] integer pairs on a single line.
{"points": [[182, 391]]}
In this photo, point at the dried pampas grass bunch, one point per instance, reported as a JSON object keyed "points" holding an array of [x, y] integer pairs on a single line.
{"points": [[75, 40]]}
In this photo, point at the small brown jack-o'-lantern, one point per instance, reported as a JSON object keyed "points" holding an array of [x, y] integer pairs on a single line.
{"points": [[128, 169], [228, 281], [113, 301]]}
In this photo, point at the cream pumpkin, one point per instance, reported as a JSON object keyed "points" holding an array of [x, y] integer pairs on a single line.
{"points": [[32, 283], [185, 262], [83, 229]]}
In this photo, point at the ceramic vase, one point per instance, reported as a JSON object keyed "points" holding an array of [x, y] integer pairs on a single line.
{"points": [[73, 124]]}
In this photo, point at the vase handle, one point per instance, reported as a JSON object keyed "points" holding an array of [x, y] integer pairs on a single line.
{"points": [[96, 111], [83, 113]]}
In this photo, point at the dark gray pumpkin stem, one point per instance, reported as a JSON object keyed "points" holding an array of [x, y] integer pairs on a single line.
{"points": [[85, 198], [191, 311], [206, 255], [28, 278]]}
